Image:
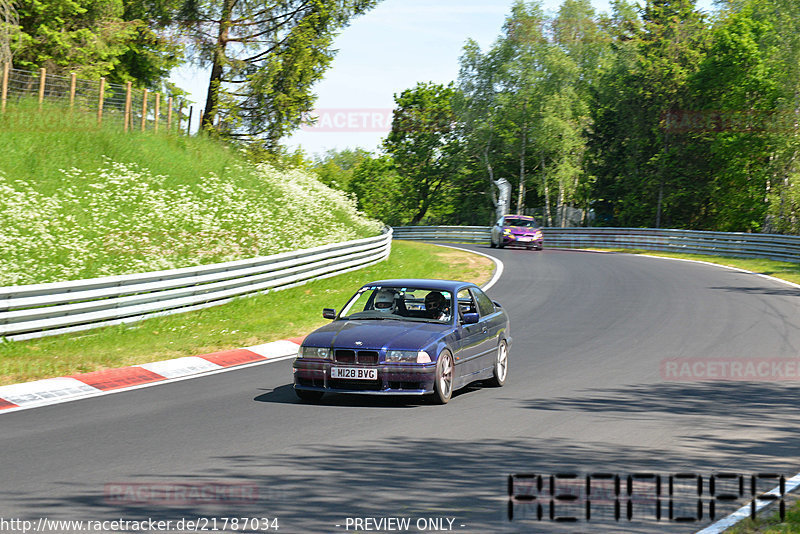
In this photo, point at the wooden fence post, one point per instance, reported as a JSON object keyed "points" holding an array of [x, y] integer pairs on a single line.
{"points": [[169, 114], [157, 112], [127, 117], [144, 109], [42, 78], [100, 101], [189, 125], [72, 84], [4, 89]]}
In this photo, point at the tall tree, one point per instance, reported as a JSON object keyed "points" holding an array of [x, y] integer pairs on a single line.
{"points": [[264, 59], [641, 166], [9, 27], [86, 36], [424, 145], [735, 94], [377, 186], [155, 47]]}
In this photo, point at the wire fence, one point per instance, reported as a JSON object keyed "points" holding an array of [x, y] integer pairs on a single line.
{"points": [[133, 109]]}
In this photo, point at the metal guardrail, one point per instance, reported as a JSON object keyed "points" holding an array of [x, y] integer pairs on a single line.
{"points": [[458, 234], [769, 246], [39, 310]]}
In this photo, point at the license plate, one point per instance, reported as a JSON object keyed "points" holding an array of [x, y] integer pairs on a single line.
{"points": [[524, 238], [354, 373]]}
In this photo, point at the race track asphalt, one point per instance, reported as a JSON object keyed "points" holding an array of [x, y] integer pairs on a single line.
{"points": [[587, 393]]}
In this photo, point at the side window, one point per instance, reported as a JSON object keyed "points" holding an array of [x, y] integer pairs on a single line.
{"points": [[485, 304], [465, 303], [500, 221]]}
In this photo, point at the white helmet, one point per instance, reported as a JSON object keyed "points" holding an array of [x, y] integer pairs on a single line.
{"points": [[384, 301]]}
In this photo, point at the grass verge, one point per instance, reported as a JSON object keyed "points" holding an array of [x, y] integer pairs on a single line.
{"points": [[772, 524], [244, 322], [80, 201]]}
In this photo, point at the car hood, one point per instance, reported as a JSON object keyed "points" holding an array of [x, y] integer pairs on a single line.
{"points": [[521, 230], [377, 334]]}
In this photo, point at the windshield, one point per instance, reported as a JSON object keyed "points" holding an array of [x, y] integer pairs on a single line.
{"points": [[526, 223], [399, 303]]}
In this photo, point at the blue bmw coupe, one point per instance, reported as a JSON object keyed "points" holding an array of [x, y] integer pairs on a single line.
{"points": [[406, 337]]}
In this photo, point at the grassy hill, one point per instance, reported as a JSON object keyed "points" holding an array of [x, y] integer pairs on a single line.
{"points": [[79, 201]]}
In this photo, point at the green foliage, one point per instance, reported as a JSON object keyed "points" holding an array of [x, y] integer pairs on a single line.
{"points": [[86, 36], [264, 60], [424, 145], [335, 168], [376, 184], [524, 109]]}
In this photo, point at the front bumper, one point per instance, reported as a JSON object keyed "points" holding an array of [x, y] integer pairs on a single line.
{"points": [[522, 241], [393, 379]]}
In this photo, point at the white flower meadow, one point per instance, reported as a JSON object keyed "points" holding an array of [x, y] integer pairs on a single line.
{"points": [[123, 219]]}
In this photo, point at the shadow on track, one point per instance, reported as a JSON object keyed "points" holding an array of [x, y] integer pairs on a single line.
{"points": [[285, 395]]}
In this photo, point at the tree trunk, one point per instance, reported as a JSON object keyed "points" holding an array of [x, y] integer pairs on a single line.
{"points": [[212, 100], [547, 217], [521, 196]]}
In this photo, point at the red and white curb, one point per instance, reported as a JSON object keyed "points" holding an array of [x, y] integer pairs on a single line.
{"points": [[66, 388]]}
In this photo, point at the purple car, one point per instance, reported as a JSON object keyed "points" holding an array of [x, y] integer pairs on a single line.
{"points": [[518, 230], [406, 337]]}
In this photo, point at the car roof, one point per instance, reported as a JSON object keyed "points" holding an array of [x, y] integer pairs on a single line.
{"points": [[423, 283]]}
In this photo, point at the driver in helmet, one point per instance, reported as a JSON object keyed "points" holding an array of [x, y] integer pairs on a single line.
{"points": [[384, 301], [436, 306]]}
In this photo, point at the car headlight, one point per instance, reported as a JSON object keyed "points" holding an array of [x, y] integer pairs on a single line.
{"points": [[314, 352], [408, 356], [506, 232]]}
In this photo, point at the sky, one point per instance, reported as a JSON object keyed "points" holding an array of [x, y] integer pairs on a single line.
{"points": [[383, 52]]}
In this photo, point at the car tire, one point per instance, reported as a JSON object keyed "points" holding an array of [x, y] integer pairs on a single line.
{"points": [[500, 243], [307, 395], [491, 243], [445, 374], [500, 371]]}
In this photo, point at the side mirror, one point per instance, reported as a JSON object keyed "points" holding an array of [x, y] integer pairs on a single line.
{"points": [[470, 318], [329, 313]]}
